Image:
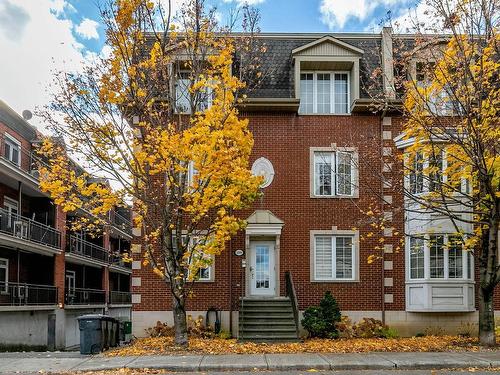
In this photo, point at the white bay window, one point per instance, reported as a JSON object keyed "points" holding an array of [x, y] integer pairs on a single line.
{"points": [[324, 92], [438, 257]]}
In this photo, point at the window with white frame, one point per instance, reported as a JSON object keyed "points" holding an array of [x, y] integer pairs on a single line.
{"points": [[334, 173], [324, 92], [439, 256], [12, 208], [438, 103], [12, 149], [417, 258], [334, 257], [417, 174], [4, 275], [202, 98], [204, 273]]}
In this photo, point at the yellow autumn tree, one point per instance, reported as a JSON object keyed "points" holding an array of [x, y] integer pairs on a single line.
{"points": [[157, 118], [452, 104]]}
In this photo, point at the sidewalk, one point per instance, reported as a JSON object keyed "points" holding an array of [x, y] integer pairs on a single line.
{"points": [[72, 361]]}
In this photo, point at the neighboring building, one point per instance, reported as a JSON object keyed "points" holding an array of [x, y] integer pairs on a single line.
{"points": [[48, 275], [326, 155]]}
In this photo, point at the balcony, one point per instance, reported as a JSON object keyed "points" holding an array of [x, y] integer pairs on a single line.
{"points": [[20, 229], [121, 222], [120, 298], [86, 249], [22, 294], [84, 296]]}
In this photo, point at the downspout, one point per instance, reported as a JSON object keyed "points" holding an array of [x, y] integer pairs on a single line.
{"points": [[231, 287]]}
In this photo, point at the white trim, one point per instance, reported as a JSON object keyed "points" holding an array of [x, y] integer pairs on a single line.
{"points": [[354, 171], [331, 73], [334, 233], [6, 281], [331, 39], [16, 142]]}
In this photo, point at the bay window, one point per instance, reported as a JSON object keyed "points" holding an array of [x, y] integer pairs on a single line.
{"points": [[334, 257], [324, 92], [438, 257]]}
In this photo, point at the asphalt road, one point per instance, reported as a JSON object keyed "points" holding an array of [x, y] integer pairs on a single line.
{"points": [[357, 372]]}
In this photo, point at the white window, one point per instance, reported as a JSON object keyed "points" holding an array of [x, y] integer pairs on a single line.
{"points": [[439, 256], [202, 98], [417, 174], [12, 150], [333, 257], [191, 173], [324, 92], [4, 275], [70, 283], [334, 173], [417, 258], [11, 206], [204, 273]]}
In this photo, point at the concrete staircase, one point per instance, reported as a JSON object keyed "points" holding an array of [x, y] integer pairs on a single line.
{"points": [[267, 320]]}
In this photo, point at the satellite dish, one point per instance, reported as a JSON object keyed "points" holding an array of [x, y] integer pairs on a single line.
{"points": [[27, 115]]}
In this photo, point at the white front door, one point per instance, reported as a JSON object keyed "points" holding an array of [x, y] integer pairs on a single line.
{"points": [[262, 269]]}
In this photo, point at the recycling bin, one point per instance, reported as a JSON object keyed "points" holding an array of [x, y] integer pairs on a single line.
{"points": [[127, 330], [92, 333]]}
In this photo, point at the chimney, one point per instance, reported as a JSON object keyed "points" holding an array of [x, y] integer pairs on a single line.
{"points": [[388, 63]]}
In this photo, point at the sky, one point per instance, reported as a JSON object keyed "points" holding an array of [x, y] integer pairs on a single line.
{"points": [[40, 37]]}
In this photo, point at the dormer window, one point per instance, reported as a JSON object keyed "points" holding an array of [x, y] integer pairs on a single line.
{"points": [[326, 76], [324, 92], [202, 99]]}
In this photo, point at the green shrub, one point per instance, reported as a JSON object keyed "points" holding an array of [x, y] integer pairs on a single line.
{"points": [[320, 321], [389, 333]]}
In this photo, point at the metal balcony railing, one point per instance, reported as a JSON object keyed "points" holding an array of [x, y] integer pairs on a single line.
{"points": [[117, 260], [22, 294], [87, 249], [120, 298], [85, 296], [121, 222], [29, 230]]}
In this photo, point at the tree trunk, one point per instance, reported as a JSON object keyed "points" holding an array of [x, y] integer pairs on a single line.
{"points": [[486, 318], [180, 322]]}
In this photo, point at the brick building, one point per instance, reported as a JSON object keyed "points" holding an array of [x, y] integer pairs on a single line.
{"points": [[326, 157], [49, 275]]}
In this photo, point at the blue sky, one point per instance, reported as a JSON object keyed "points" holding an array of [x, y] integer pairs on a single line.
{"points": [[43, 36]]}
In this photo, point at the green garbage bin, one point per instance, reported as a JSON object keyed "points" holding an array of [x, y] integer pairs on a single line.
{"points": [[127, 330], [91, 333]]}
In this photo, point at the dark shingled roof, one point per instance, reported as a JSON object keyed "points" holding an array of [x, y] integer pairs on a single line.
{"points": [[277, 65]]}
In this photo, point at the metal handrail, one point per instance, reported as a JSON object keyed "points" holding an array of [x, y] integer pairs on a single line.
{"points": [[23, 294], [290, 292], [121, 222], [120, 298], [87, 249], [85, 296], [28, 229]]}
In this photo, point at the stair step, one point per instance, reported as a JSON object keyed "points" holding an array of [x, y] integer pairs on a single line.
{"points": [[263, 316], [275, 336], [281, 322], [267, 310], [269, 329]]}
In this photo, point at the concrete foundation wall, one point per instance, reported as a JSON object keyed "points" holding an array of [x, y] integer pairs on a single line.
{"points": [[406, 323], [24, 327], [120, 312]]}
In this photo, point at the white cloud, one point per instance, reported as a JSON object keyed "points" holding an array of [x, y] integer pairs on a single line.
{"points": [[335, 13], [47, 44], [87, 29]]}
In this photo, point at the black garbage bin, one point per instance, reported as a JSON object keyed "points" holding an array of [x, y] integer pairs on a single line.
{"points": [[112, 332], [92, 333]]}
